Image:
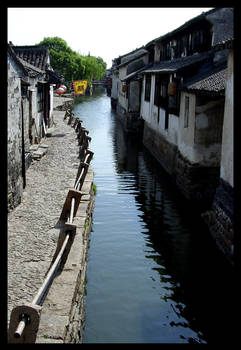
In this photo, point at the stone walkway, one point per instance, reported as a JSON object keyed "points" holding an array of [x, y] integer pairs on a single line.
{"points": [[33, 225]]}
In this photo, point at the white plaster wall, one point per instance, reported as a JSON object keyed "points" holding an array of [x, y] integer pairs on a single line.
{"points": [[147, 106], [227, 139], [190, 142], [51, 93], [186, 135], [122, 95], [134, 96], [157, 50], [149, 112], [35, 114], [114, 88]]}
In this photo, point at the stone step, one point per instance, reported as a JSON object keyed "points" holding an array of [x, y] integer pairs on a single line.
{"points": [[39, 153], [34, 147], [43, 145], [49, 132]]}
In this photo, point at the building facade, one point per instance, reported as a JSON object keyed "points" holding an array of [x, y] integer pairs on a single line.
{"points": [[126, 88], [182, 103], [30, 110]]}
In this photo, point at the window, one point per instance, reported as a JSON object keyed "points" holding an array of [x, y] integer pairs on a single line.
{"points": [[186, 112], [40, 98], [165, 51], [174, 97], [160, 98], [166, 120], [148, 87]]}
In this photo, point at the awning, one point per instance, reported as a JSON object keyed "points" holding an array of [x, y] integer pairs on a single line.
{"points": [[174, 65]]}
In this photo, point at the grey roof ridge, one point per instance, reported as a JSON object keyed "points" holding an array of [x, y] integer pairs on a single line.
{"points": [[30, 66], [17, 60], [204, 75]]}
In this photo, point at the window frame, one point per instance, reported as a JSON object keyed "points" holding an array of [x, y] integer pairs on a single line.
{"points": [[186, 111], [160, 93], [147, 96], [40, 98]]}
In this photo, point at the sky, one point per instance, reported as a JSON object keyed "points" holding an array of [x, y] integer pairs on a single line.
{"points": [[107, 32]]}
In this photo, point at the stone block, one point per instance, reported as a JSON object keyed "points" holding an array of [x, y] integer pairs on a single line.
{"points": [[43, 145], [49, 132], [33, 148]]}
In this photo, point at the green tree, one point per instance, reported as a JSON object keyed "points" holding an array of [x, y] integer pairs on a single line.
{"points": [[71, 64]]}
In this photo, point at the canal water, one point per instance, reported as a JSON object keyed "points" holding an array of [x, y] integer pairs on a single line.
{"points": [[154, 274]]}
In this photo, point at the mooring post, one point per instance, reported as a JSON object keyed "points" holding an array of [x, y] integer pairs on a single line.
{"points": [[24, 323]]}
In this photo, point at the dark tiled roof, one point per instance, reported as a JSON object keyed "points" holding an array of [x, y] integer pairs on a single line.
{"points": [[220, 18], [132, 57], [32, 70], [36, 55], [35, 60], [212, 83], [54, 77], [178, 63], [134, 74], [15, 58], [222, 21]]}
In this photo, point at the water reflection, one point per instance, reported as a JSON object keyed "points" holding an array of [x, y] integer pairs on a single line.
{"points": [[154, 273], [167, 238]]}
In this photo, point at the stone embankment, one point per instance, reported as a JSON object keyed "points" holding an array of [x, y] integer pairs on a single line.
{"points": [[34, 230]]}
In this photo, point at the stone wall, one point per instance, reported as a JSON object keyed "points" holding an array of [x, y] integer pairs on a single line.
{"points": [[196, 182], [15, 179], [164, 151], [220, 219]]}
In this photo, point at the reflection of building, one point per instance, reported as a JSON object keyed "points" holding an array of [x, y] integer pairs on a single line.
{"points": [[191, 270], [30, 109]]}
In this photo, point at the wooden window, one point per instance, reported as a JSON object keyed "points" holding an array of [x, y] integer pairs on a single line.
{"points": [[186, 112], [166, 119], [160, 97], [148, 87], [174, 98], [40, 98]]}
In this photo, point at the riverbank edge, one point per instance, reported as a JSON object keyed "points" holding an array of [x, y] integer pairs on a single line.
{"points": [[62, 315]]}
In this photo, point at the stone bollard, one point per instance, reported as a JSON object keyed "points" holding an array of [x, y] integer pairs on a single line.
{"points": [[24, 324]]}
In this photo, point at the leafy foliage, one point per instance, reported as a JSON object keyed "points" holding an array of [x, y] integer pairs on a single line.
{"points": [[71, 64]]}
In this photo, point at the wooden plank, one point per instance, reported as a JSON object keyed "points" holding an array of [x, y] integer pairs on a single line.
{"points": [[67, 204]]}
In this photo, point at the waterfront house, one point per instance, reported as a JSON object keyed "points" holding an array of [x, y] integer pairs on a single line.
{"points": [[36, 60], [30, 109], [17, 84], [182, 102], [126, 87]]}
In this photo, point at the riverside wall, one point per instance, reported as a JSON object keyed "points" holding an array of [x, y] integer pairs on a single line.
{"points": [[35, 232]]}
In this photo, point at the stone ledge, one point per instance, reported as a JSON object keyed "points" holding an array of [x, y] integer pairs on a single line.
{"points": [[62, 310]]}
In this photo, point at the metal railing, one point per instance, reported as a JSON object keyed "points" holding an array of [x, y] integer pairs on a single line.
{"points": [[25, 318]]}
